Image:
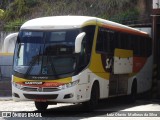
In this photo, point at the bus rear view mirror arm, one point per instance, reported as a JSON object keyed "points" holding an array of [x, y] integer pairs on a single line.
{"points": [[78, 42]]}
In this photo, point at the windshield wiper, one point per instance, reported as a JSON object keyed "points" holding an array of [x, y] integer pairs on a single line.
{"points": [[33, 61], [53, 67], [39, 54], [31, 65]]}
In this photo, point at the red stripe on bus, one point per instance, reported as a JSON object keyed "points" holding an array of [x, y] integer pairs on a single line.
{"points": [[138, 63]]}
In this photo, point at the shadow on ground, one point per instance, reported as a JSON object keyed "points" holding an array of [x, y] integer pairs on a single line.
{"points": [[78, 110]]}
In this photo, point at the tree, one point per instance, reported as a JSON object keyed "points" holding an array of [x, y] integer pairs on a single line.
{"points": [[1, 13]]}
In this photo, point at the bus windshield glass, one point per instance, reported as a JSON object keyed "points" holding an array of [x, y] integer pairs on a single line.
{"points": [[45, 52]]}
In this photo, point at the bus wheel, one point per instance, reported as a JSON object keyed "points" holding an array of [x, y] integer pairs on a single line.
{"points": [[132, 96], [92, 103], [41, 105]]}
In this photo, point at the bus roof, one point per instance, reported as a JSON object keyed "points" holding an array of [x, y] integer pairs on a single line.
{"points": [[57, 22], [70, 22]]}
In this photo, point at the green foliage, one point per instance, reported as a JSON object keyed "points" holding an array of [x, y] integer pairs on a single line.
{"points": [[31, 3], [1, 13], [129, 15], [116, 3], [16, 9], [4, 3], [13, 25], [103, 16], [8, 15], [19, 10]]}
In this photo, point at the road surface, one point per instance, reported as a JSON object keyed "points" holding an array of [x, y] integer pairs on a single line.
{"points": [[113, 109]]}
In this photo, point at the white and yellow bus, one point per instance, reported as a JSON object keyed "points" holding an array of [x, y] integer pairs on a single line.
{"points": [[79, 59]]}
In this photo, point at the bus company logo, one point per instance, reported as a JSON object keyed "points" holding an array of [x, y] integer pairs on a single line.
{"points": [[40, 89], [33, 83]]}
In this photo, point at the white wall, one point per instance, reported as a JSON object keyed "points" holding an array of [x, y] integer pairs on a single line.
{"points": [[2, 37], [146, 29], [6, 61], [156, 4]]}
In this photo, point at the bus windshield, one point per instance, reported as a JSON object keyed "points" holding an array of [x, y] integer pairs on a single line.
{"points": [[45, 52]]}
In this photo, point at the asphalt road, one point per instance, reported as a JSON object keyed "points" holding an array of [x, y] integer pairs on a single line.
{"points": [[113, 109]]}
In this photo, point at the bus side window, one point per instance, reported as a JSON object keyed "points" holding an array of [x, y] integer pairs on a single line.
{"points": [[109, 41], [121, 41], [140, 40], [87, 44], [106, 41], [99, 44], [144, 46], [149, 47], [115, 42], [112, 41], [130, 43], [135, 45], [118, 40], [89, 30]]}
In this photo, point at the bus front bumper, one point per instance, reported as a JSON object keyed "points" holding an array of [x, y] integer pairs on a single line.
{"points": [[74, 94]]}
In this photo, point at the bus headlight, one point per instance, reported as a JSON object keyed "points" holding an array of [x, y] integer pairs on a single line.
{"points": [[17, 85], [71, 84]]}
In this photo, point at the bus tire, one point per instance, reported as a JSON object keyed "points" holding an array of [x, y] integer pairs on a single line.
{"points": [[92, 103], [132, 96], [41, 105]]}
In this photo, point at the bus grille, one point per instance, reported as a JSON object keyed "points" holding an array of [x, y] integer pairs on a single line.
{"points": [[29, 89], [37, 96], [36, 89], [50, 89]]}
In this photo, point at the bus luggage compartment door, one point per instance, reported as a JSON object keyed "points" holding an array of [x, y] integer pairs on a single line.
{"points": [[118, 84]]}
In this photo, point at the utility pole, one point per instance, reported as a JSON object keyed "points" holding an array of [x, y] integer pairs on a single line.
{"points": [[155, 46]]}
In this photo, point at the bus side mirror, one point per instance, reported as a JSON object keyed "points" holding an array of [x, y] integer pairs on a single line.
{"points": [[78, 42], [8, 41]]}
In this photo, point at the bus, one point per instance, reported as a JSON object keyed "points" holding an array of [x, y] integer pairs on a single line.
{"points": [[79, 59]]}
